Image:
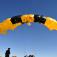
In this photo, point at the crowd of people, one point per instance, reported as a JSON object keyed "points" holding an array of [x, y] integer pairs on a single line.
{"points": [[7, 54]]}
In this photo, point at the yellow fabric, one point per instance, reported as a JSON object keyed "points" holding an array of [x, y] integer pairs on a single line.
{"points": [[7, 25], [27, 18], [51, 24]]}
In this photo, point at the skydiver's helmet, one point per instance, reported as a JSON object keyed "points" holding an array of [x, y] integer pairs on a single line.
{"points": [[16, 19]]}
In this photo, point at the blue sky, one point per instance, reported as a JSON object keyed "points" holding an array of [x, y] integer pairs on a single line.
{"points": [[36, 39]]}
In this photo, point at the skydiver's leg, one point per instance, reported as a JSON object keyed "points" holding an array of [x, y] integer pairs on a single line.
{"points": [[39, 19]]}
